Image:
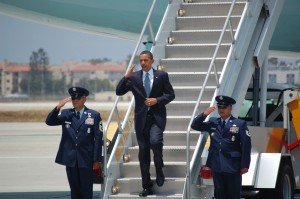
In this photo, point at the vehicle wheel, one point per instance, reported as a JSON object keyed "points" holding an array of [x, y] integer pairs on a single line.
{"points": [[284, 186]]}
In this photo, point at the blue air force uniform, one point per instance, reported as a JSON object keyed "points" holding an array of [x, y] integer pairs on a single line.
{"points": [[229, 151], [80, 145]]}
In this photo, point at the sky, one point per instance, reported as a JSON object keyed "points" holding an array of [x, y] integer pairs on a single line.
{"points": [[19, 38]]}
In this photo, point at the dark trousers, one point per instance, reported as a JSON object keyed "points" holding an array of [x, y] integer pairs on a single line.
{"points": [[81, 182], [227, 185], [151, 138]]}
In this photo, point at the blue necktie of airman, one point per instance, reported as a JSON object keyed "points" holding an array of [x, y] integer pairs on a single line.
{"points": [[223, 124], [147, 84], [78, 115]]}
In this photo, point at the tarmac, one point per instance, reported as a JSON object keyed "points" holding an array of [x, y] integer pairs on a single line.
{"points": [[27, 167], [27, 155]]}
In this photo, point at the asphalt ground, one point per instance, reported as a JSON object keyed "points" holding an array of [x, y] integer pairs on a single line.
{"points": [[27, 167], [27, 154]]}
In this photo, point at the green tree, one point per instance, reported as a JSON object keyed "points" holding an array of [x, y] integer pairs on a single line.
{"points": [[40, 77], [24, 85]]}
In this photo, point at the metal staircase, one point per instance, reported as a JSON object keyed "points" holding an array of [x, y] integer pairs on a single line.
{"points": [[189, 53], [186, 48]]}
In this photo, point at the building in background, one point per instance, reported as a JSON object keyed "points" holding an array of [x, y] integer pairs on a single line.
{"points": [[69, 74], [283, 70], [11, 77], [111, 72], [280, 70]]}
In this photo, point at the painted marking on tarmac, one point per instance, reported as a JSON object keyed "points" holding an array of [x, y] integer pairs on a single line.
{"points": [[28, 157]]}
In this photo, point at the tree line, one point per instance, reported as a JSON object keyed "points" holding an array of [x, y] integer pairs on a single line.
{"points": [[40, 82]]}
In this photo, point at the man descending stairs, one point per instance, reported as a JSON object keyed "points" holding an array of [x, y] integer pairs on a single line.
{"points": [[187, 56]]}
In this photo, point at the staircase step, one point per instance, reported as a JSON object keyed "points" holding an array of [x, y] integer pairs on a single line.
{"points": [[214, 1], [192, 93], [172, 169], [161, 196], [133, 186], [177, 154], [205, 23], [190, 64], [209, 9], [199, 36], [178, 123], [192, 79], [196, 50], [174, 140], [185, 108]]}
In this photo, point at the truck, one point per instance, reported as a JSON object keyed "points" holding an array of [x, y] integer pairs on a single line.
{"points": [[275, 130]]}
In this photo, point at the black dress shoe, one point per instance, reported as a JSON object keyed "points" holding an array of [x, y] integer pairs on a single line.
{"points": [[160, 177], [146, 192]]}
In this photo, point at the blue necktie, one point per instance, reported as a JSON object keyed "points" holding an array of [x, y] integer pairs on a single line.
{"points": [[223, 124], [78, 115], [147, 84]]}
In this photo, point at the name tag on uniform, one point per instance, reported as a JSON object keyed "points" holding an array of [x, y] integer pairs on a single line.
{"points": [[89, 121], [67, 124]]}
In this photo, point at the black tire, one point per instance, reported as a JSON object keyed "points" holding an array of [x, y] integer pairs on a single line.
{"points": [[284, 186]]}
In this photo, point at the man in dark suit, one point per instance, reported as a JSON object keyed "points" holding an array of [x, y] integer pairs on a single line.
{"points": [[152, 90], [230, 148], [80, 147]]}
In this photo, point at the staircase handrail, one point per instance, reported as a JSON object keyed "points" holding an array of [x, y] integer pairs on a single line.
{"points": [[212, 64], [115, 108]]}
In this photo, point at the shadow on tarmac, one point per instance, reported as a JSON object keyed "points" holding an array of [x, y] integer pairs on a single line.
{"points": [[42, 195]]}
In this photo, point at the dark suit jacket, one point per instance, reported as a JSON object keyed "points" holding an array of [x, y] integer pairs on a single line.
{"points": [[162, 90], [230, 148], [81, 140]]}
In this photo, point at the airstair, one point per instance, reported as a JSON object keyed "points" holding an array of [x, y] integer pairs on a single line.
{"points": [[207, 47]]}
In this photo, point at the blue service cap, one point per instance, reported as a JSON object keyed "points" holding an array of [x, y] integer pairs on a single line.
{"points": [[78, 92], [223, 101]]}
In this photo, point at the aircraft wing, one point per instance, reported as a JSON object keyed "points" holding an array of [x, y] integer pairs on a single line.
{"points": [[125, 18], [113, 18]]}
